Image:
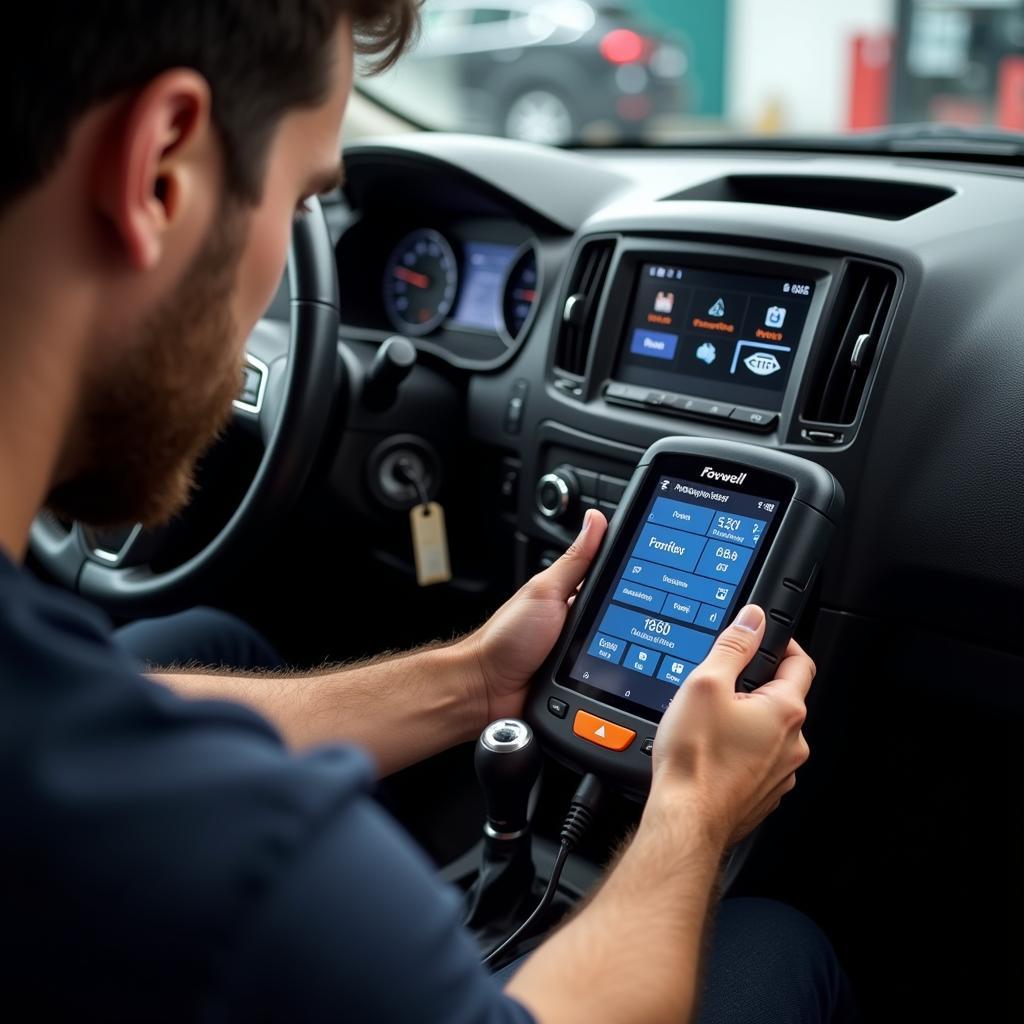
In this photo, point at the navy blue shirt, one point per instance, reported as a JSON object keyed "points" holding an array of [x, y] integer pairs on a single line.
{"points": [[167, 859]]}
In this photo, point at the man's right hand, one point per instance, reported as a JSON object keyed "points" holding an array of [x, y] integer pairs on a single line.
{"points": [[722, 761], [733, 755]]}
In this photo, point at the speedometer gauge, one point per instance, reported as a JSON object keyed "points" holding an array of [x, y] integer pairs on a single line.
{"points": [[520, 294], [420, 282]]}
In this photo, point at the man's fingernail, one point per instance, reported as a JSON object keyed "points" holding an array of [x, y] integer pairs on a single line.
{"points": [[749, 618], [586, 523]]}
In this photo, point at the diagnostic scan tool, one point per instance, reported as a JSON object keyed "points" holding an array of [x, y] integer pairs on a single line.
{"points": [[704, 528]]}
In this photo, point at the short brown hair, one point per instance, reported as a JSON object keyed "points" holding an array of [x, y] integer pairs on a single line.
{"points": [[261, 58]]}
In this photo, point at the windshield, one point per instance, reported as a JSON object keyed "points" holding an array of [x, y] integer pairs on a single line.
{"points": [[579, 72]]}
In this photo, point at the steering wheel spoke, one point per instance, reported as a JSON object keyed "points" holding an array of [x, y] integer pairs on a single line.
{"points": [[258, 404], [122, 547], [61, 549]]}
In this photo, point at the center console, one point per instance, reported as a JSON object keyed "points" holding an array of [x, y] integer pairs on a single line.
{"points": [[657, 336]]}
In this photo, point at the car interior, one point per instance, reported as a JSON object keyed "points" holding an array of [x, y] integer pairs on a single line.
{"points": [[504, 327]]}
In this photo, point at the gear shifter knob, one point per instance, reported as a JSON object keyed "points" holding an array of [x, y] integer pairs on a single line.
{"points": [[507, 764]]}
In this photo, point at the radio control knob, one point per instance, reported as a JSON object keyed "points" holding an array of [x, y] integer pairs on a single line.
{"points": [[556, 493]]}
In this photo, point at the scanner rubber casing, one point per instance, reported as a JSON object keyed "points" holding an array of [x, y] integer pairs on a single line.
{"points": [[781, 588]]}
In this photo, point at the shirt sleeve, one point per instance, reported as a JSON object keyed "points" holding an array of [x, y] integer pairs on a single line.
{"points": [[360, 928]]}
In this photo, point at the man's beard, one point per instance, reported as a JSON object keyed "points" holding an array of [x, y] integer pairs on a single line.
{"points": [[144, 426]]}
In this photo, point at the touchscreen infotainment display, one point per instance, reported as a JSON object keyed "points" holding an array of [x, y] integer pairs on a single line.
{"points": [[713, 334], [681, 571]]}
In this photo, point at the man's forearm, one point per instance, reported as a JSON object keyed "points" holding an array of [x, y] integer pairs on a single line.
{"points": [[633, 954], [400, 709]]}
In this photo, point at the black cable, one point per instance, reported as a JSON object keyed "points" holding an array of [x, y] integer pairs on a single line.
{"points": [[577, 821]]}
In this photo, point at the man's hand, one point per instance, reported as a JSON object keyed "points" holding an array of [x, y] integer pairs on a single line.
{"points": [[513, 643], [722, 761], [405, 708], [734, 755]]}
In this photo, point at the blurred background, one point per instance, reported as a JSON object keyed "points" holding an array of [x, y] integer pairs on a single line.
{"points": [[590, 72]]}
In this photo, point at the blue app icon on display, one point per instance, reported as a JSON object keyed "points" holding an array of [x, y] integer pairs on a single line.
{"points": [[707, 353]]}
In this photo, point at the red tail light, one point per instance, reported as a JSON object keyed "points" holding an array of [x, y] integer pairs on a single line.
{"points": [[623, 46]]}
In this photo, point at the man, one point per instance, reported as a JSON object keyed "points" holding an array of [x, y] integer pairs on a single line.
{"points": [[172, 855]]}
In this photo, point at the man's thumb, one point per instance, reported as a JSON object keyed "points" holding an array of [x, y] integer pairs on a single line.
{"points": [[567, 572], [737, 644]]}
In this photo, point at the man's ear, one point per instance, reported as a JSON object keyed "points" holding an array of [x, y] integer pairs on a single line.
{"points": [[158, 163]]}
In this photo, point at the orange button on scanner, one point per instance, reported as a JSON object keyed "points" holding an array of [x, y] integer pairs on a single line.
{"points": [[603, 733]]}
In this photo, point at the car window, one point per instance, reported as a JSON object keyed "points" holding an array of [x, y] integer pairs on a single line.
{"points": [[571, 72]]}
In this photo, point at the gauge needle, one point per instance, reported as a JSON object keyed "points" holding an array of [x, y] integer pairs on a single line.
{"points": [[411, 277]]}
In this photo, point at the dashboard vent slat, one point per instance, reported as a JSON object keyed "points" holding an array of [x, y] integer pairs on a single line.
{"points": [[849, 344], [576, 328]]}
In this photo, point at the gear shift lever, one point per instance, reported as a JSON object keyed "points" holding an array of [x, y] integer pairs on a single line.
{"points": [[508, 762]]}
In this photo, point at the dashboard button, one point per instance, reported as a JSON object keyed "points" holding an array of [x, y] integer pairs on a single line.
{"points": [[514, 415], [510, 469], [719, 411], [683, 403], [557, 707], [755, 417], [648, 746], [657, 398], [516, 404], [700, 407], [588, 482], [602, 732], [610, 488], [556, 492], [625, 393]]}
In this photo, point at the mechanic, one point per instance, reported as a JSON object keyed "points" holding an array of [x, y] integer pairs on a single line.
{"points": [[206, 846]]}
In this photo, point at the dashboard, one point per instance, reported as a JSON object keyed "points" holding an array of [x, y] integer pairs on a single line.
{"points": [[490, 287], [466, 287], [461, 279], [864, 312]]}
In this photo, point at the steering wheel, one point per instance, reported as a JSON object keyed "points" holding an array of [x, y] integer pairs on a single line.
{"points": [[291, 380]]}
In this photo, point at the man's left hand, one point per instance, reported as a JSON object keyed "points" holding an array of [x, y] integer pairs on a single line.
{"points": [[513, 643]]}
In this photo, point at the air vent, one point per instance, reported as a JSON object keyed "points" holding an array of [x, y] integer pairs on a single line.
{"points": [[577, 326], [849, 344]]}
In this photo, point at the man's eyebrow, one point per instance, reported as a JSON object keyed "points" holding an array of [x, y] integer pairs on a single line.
{"points": [[328, 181]]}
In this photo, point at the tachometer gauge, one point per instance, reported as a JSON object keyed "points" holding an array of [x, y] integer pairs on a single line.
{"points": [[420, 282], [520, 295]]}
